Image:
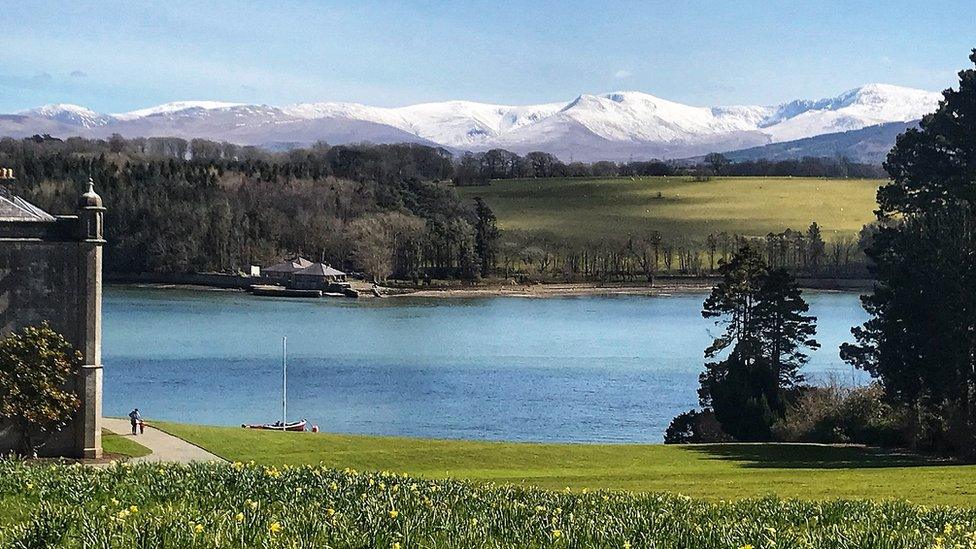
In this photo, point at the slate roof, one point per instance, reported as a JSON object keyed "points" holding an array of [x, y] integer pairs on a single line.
{"points": [[290, 266], [319, 269], [14, 208]]}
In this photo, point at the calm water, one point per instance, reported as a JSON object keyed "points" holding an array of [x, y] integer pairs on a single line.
{"points": [[556, 369]]}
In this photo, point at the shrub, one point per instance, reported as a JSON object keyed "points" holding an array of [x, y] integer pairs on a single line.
{"points": [[835, 414], [695, 426]]}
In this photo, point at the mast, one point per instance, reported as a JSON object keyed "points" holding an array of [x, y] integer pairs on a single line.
{"points": [[284, 382]]}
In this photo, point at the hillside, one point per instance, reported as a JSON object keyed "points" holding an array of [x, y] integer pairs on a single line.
{"points": [[595, 210], [868, 145]]}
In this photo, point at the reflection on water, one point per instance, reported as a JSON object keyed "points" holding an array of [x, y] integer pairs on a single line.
{"points": [[554, 369]]}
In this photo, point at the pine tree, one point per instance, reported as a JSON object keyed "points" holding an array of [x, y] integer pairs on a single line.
{"points": [[765, 331], [921, 338]]}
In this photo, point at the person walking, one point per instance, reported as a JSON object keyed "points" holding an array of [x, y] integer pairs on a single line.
{"points": [[135, 419]]}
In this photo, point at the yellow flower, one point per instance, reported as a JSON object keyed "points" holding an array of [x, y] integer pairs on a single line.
{"points": [[133, 509], [626, 545], [394, 513], [238, 465], [30, 486], [274, 527], [333, 486], [556, 534], [253, 504], [198, 529], [396, 545], [746, 546], [474, 522], [330, 511], [239, 517]]}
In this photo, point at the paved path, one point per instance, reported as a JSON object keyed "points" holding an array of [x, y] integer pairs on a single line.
{"points": [[164, 446]]}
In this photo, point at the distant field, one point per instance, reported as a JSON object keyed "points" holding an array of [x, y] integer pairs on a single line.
{"points": [[588, 210], [732, 471]]}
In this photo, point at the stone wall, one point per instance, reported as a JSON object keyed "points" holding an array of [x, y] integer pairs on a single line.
{"points": [[47, 276]]}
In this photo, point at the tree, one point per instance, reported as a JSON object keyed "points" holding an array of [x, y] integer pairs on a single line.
{"points": [[486, 237], [36, 364], [921, 338], [766, 329], [816, 249], [717, 162]]}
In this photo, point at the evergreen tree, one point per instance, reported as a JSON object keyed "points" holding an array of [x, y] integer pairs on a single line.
{"points": [[921, 339], [765, 331], [486, 236]]}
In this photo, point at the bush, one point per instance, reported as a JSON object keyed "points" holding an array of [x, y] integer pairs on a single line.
{"points": [[693, 427], [835, 414]]}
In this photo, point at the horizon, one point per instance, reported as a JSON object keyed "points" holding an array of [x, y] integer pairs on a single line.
{"points": [[391, 55]]}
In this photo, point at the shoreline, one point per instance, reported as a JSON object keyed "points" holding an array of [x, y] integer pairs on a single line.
{"points": [[661, 287]]}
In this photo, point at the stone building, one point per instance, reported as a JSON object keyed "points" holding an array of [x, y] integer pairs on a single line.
{"points": [[51, 270]]}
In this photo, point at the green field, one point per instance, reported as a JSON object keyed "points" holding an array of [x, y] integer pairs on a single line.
{"points": [[589, 210], [708, 471], [122, 446]]}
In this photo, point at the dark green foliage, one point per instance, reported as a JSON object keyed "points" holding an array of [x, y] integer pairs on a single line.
{"points": [[834, 414], [695, 427], [230, 207], [486, 236], [921, 340], [766, 330], [36, 366]]}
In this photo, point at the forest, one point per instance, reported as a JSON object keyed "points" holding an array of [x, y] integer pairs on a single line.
{"points": [[382, 211]]}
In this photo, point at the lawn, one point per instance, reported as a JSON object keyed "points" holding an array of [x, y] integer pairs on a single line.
{"points": [[592, 209], [708, 471], [122, 446]]}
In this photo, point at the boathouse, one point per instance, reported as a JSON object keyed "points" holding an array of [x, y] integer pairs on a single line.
{"points": [[317, 276], [283, 271], [51, 271]]}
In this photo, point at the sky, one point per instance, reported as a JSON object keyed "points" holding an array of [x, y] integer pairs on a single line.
{"points": [[120, 56]]}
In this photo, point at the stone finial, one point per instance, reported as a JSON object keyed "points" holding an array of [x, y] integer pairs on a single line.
{"points": [[90, 199]]}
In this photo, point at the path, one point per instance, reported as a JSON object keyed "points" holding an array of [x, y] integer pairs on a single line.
{"points": [[164, 446]]}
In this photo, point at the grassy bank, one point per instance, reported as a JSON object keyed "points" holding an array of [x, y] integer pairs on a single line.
{"points": [[708, 471], [122, 446], [587, 209], [236, 505]]}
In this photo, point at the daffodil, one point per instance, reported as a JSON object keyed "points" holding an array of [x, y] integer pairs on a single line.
{"points": [[556, 534], [274, 527], [239, 517], [394, 513], [198, 529]]}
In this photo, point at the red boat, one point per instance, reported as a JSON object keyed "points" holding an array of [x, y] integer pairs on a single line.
{"points": [[278, 426]]}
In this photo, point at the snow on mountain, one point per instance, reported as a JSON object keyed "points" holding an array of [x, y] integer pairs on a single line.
{"points": [[613, 126], [175, 107], [67, 113], [868, 105]]}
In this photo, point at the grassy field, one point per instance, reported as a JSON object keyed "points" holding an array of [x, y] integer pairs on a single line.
{"points": [[585, 209], [122, 446], [219, 505], [707, 471]]}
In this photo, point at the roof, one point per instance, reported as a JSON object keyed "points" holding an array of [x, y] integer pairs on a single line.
{"points": [[14, 208], [290, 266], [319, 269]]}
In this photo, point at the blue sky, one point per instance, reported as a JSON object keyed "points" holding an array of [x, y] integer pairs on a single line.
{"points": [[118, 56]]}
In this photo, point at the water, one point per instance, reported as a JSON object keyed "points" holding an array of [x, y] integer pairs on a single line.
{"points": [[579, 369]]}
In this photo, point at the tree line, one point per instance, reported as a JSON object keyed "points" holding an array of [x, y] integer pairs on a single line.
{"points": [[919, 343]]}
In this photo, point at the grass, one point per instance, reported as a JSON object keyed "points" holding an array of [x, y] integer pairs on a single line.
{"points": [[712, 472], [587, 210], [220, 505], [122, 446]]}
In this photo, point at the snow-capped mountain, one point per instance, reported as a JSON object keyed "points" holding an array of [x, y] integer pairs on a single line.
{"points": [[613, 126]]}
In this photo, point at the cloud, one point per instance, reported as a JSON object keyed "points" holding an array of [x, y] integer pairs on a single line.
{"points": [[41, 79], [79, 74], [622, 73]]}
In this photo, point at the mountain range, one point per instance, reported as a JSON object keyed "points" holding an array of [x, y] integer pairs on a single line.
{"points": [[615, 126]]}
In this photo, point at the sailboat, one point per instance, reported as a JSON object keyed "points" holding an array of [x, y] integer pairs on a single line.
{"points": [[282, 425]]}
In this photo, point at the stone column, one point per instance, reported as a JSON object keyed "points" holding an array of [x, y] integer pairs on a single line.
{"points": [[89, 419]]}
